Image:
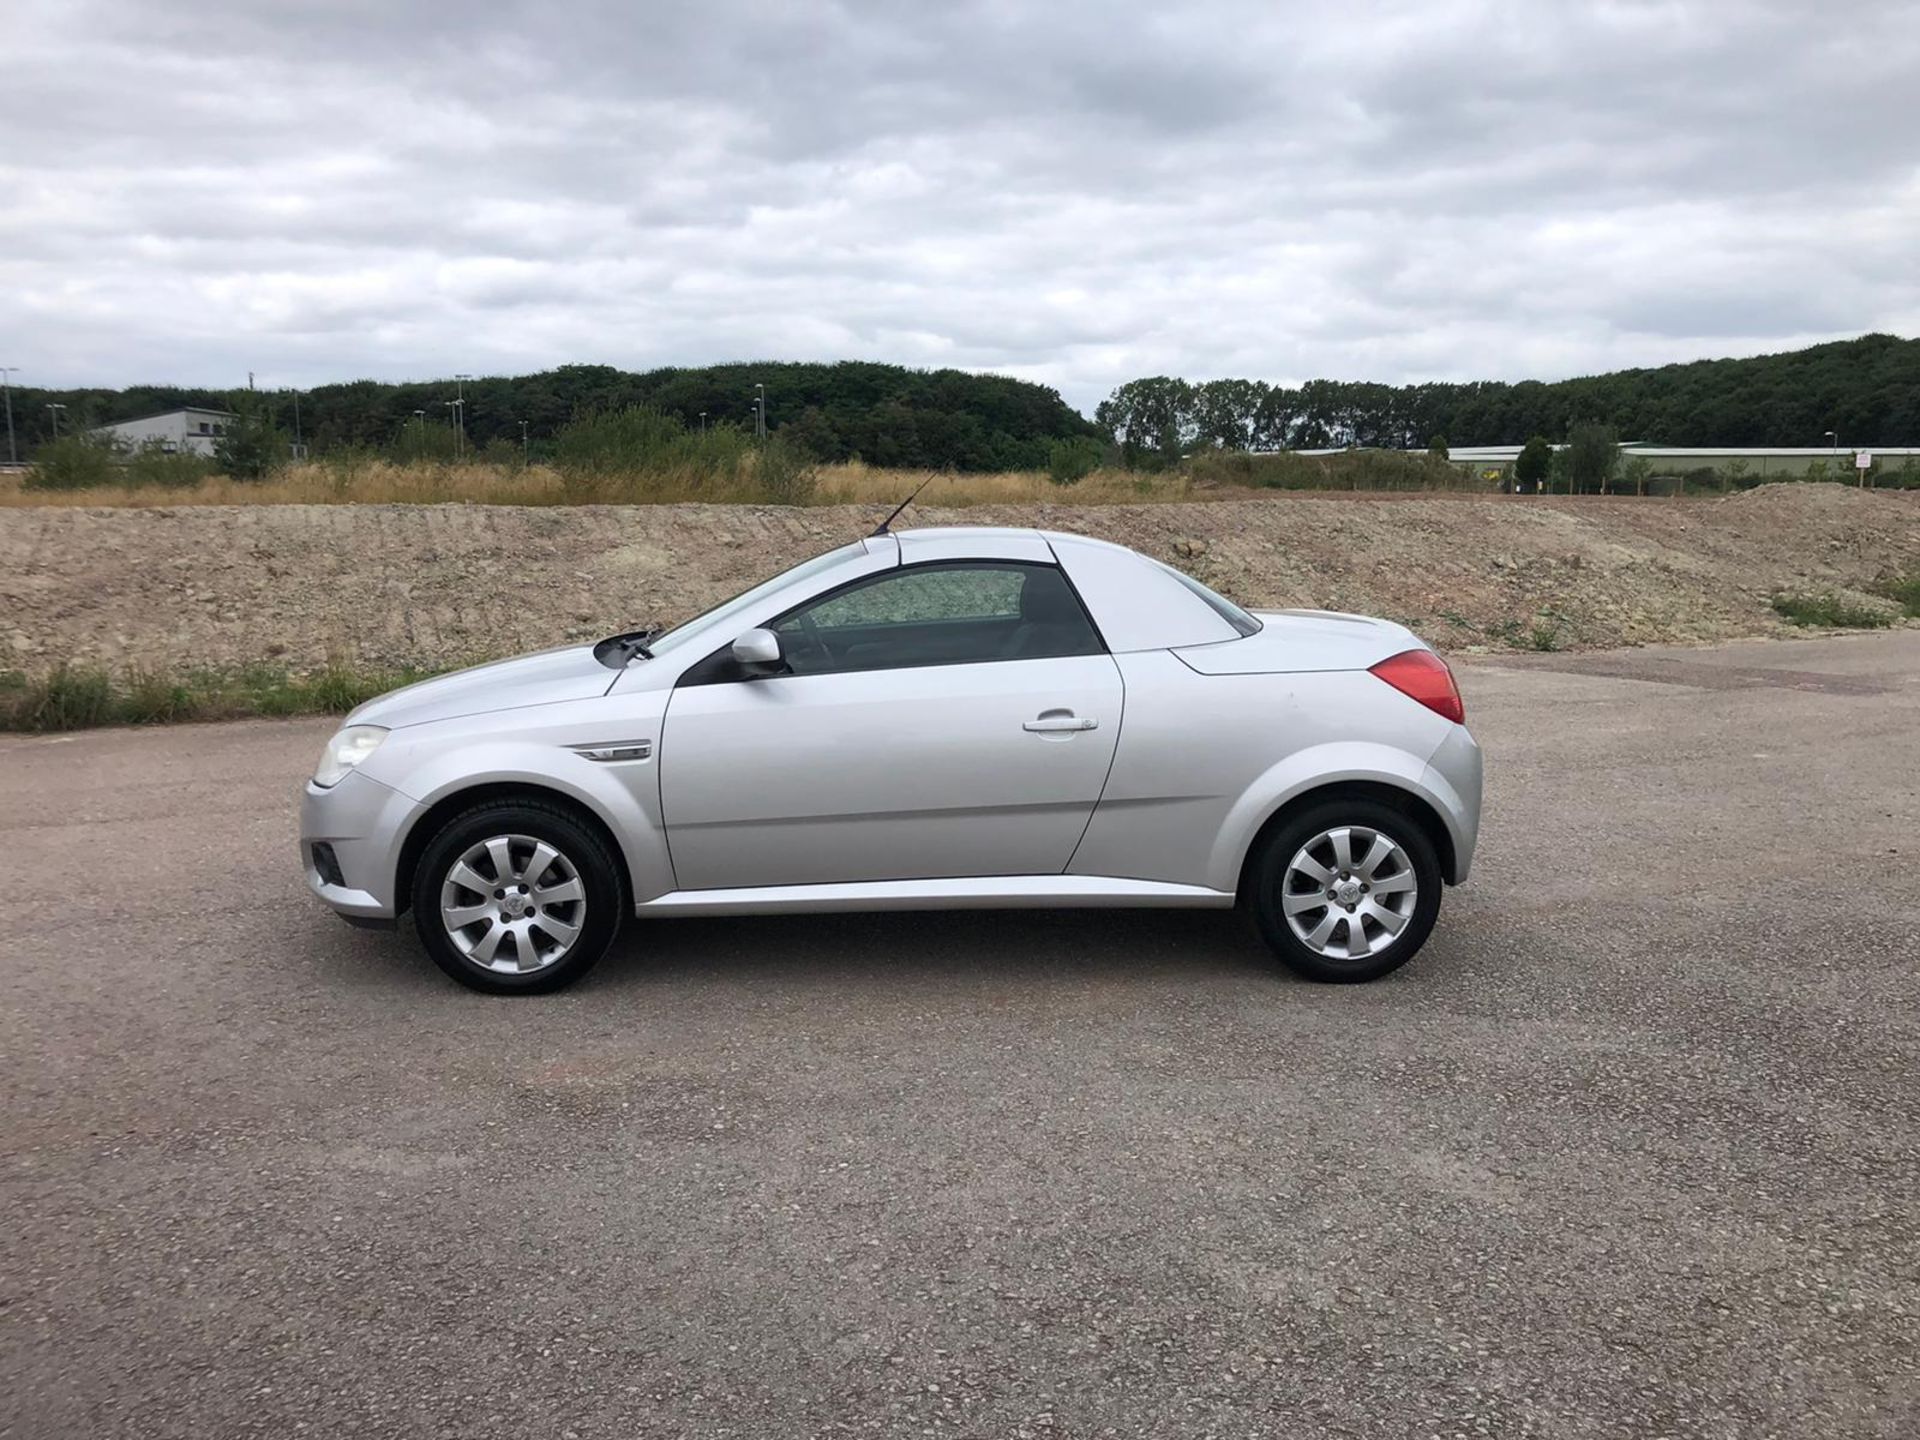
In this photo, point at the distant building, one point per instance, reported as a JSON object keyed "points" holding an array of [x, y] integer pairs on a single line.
{"points": [[1760, 462], [190, 431]]}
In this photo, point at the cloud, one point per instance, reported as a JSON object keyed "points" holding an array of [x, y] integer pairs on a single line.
{"points": [[1069, 192]]}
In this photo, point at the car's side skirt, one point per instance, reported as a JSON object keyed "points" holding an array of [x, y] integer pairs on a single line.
{"points": [[974, 892]]}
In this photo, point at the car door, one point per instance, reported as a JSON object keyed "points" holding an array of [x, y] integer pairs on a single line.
{"points": [[936, 720]]}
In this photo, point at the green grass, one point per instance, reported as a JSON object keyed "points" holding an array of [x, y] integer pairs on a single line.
{"points": [[1547, 631], [1904, 592], [1826, 608], [82, 697]]}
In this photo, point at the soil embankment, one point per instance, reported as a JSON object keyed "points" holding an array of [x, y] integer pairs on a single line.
{"points": [[438, 585]]}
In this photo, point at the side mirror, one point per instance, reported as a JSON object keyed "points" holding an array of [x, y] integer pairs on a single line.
{"points": [[758, 652]]}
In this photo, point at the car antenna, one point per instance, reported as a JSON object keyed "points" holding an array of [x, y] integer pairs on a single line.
{"points": [[901, 506]]}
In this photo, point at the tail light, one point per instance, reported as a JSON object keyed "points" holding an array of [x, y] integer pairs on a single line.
{"points": [[1424, 676]]}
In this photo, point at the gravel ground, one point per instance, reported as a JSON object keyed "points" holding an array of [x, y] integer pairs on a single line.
{"points": [[1630, 1149], [442, 585]]}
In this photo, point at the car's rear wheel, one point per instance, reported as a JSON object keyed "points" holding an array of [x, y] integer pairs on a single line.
{"points": [[1345, 891], [517, 897]]}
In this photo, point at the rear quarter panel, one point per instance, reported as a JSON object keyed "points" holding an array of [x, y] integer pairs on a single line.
{"points": [[1204, 760]]}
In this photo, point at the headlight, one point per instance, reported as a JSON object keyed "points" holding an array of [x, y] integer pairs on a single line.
{"points": [[346, 750]]}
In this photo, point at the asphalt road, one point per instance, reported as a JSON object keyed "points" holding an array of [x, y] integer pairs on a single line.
{"points": [[1630, 1150]]}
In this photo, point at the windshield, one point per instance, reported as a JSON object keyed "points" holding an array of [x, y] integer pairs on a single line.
{"points": [[747, 599]]}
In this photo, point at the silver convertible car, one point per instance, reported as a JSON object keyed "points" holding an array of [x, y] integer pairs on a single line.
{"points": [[927, 719]]}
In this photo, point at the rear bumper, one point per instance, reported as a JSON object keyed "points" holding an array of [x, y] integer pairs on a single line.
{"points": [[362, 825], [1454, 778]]}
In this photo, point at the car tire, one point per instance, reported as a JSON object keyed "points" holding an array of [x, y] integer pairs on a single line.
{"points": [[1291, 905], [495, 865]]}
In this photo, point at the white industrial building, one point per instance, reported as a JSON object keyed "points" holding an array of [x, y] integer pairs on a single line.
{"points": [[1761, 462], [179, 432]]}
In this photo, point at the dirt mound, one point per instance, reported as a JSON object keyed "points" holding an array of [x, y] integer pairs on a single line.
{"points": [[437, 585]]}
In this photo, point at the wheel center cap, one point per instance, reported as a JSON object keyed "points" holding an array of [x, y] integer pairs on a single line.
{"points": [[1347, 892], [514, 905]]}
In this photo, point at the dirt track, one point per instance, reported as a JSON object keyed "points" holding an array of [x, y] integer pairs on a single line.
{"points": [[436, 585]]}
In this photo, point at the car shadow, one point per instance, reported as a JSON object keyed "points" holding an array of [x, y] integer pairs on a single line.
{"points": [[926, 945], [934, 944]]}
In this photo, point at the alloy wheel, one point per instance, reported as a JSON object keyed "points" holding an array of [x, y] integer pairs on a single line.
{"points": [[1349, 892], [513, 904]]}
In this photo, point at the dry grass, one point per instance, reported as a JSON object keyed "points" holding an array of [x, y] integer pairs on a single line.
{"points": [[373, 483], [379, 482], [857, 484]]}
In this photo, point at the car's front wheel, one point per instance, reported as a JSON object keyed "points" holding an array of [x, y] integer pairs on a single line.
{"points": [[1345, 891], [517, 897]]}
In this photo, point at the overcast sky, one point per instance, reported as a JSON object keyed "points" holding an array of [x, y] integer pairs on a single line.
{"points": [[1076, 193]]}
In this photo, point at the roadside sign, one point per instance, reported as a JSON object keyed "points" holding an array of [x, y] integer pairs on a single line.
{"points": [[1863, 460]]}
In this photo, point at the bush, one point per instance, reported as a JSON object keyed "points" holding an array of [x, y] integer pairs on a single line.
{"points": [[1348, 470], [153, 466], [504, 453], [640, 454], [1071, 460], [251, 449], [79, 462], [784, 473], [423, 440], [1837, 609]]}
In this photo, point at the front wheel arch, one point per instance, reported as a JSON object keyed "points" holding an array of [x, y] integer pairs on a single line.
{"points": [[434, 819], [1392, 796]]}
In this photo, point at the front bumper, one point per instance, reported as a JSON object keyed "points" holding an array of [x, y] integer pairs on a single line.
{"points": [[363, 824]]}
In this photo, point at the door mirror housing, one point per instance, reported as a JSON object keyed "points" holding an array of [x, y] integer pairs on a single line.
{"points": [[758, 652]]}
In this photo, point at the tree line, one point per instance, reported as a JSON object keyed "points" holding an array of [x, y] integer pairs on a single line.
{"points": [[884, 414], [1866, 391]]}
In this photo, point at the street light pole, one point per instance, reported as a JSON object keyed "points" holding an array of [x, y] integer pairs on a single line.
{"points": [[460, 435], [523, 442], [419, 434], [7, 372], [760, 413]]}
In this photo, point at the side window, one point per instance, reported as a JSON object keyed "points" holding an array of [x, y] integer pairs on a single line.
{"points": [[920, 596], [939, 615]]}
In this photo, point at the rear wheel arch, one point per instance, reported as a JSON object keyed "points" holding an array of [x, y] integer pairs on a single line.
{"points": [[1414, 807], [436, 817]]}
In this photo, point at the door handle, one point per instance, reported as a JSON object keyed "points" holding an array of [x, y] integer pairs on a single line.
{"points": [[1054, 722]]}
